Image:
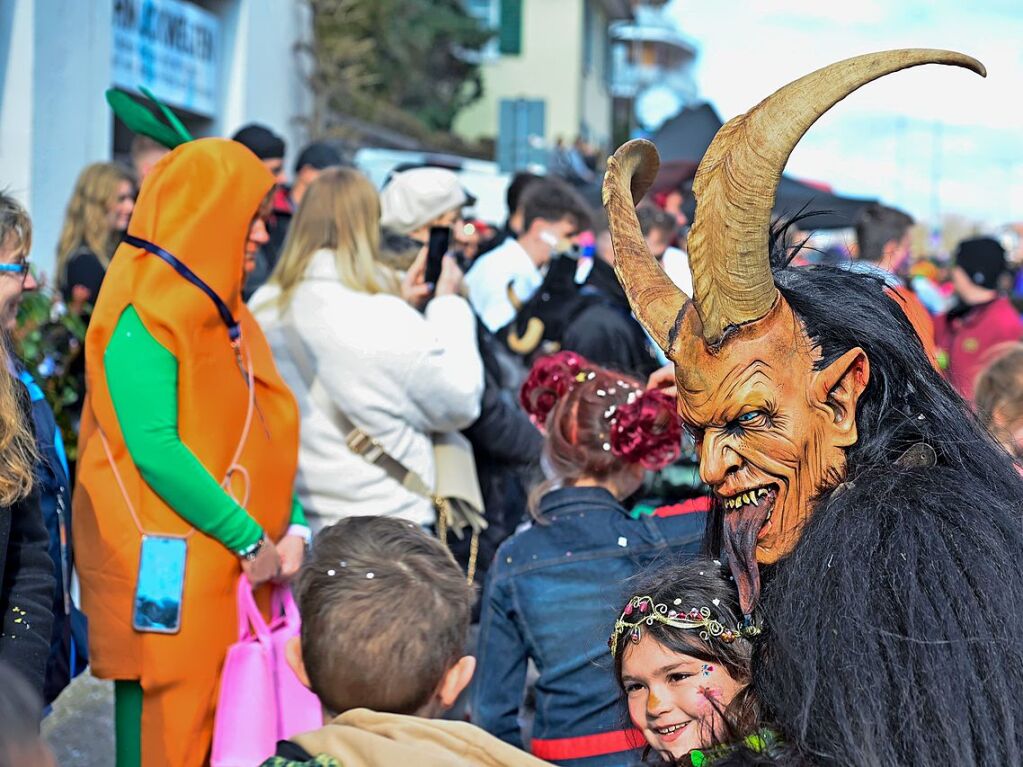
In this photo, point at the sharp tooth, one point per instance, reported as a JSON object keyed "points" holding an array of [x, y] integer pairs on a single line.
{"points": [[762, 492], [747, 497], [753, 499]]}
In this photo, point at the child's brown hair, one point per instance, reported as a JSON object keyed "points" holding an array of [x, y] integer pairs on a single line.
{"points": [[596, 422], [385, 613]]}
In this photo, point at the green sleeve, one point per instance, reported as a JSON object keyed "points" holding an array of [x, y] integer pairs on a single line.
{"points": [[142, 377], [297, 512]]}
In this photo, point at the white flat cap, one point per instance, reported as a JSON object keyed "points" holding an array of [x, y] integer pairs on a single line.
{"points": [[414, 198]]}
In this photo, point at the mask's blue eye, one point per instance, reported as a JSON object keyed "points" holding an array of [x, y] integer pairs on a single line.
{"points": [[749, 417]]}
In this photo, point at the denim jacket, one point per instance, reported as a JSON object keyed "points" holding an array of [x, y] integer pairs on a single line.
{"points": [[553, 594]]}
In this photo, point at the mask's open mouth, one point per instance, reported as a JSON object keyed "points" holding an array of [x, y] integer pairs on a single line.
{"points": [[747, 516]]}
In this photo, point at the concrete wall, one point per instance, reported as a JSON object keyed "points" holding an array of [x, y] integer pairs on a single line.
{"points": [[261, 80], [53, 118], [55, 64], [17, 42], [549, 68], [594, 93]]}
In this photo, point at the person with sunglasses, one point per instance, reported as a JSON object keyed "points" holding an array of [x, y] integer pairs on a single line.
{"points": [[15, 273], [69, 654], [27, 594]]}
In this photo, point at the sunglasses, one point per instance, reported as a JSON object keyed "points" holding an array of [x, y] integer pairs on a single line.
{"points": [[21, 269]]}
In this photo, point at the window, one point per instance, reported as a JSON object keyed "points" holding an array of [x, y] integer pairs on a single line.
{"points": [[596, 45], [489, 14], [588, 40], [487, 11]]}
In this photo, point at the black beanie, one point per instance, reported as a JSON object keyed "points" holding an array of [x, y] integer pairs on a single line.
{"points": [[318, 155], [983, 260], [262, 141]]}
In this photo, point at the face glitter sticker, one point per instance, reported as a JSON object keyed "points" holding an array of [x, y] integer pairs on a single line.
{"points": [[652, 702]]}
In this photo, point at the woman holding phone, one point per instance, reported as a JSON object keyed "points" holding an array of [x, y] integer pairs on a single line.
{"points": [[386, 375], [189, 444]]}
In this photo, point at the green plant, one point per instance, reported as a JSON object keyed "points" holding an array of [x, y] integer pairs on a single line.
{"points": [[410, 65], [50, 342]]}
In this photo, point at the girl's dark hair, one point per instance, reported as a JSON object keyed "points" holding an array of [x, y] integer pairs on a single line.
{"points": [[697, 583]]}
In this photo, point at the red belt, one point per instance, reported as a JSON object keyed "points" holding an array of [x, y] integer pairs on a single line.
{"points": [[583, 746], [693, 505]]}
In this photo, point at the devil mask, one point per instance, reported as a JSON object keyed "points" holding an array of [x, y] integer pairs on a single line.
{"points": [[772, 421]]}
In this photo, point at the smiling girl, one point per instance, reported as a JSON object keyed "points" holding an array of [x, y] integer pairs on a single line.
{"points": [[682, 658]]}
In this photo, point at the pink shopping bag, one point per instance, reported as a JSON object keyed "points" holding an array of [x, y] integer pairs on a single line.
{"points": [[261, 700], [298, 709]]}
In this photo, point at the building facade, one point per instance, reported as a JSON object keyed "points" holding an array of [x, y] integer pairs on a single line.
{"points": [[652, 76], [546, 75], [217, 63]]}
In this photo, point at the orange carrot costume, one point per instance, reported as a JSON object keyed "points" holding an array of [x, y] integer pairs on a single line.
{"points": [[197, 204]]}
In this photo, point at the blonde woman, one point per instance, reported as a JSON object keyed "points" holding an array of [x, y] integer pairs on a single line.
{"points": [[97, 214], [26, 571], [398, 359]]}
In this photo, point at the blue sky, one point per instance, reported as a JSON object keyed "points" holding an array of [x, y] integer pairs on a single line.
{"points": [[882, 140]]}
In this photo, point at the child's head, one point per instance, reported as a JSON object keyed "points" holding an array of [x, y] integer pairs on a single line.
{"points": [[682, 656], [385, 611], [600, 425], [998, 396]]}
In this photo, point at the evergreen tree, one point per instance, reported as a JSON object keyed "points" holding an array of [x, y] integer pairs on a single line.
{"points": [[374, 59]]}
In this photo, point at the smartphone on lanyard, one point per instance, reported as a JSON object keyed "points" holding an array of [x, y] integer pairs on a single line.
{"points": [[160, 585]]}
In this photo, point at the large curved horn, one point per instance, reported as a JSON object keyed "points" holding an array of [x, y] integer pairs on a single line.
{"points": [[736, 182], [654, 298]]}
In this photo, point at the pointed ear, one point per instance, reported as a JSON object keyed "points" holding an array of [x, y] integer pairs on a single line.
{"points": [[293, 654], [838, 387], [455, 680]]}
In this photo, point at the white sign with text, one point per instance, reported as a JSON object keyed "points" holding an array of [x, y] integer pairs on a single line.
{"points": [[171, 47]]}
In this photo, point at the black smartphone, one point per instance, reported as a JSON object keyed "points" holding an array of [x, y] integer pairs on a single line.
{"points": [[440, 241]]}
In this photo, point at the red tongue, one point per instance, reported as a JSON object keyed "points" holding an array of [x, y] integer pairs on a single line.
{"points": [[741, 529]]}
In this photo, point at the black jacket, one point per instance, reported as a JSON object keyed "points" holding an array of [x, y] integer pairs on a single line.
{"points": [[26, 589], [604, 331], [506, 445], [83, 268], [69, 642]]}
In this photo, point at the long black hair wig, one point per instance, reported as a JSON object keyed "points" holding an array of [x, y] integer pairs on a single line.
{"points": [[893, 628]]}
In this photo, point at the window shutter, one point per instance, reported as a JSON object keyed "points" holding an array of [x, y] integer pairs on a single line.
{"points": [[521, 134], [510, 41]]}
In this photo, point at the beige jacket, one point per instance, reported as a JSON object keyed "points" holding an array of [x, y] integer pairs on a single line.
{"points": [[364, 738]]}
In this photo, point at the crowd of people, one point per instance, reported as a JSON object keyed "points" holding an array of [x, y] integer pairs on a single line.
{"points": [[455, 442]]}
